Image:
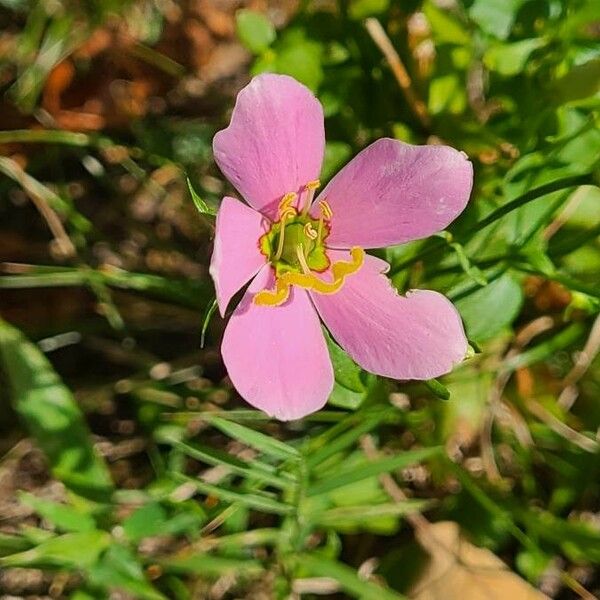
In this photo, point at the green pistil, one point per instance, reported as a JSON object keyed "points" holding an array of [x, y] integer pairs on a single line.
{"points": [[294, 236]]}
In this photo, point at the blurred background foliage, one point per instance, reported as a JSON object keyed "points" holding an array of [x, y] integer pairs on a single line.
{"points": [[129, 468]]}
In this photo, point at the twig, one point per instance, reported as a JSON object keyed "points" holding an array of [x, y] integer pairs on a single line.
{"points": [[531, 330], [562, 429], [584, 360], [381, 39], [564, 215], [40, 196]]}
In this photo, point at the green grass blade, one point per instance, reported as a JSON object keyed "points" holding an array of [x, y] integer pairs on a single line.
{"points": [[257, 440], [372, 469], [350, 582], [255, 501], [52, 416]]}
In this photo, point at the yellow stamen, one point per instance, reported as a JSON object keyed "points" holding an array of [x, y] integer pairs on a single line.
{"points": [[339, 270], [286, 210], [326, 213], [302, 258], [309, 232], [325, 209], [285, 206], [310, 188]]}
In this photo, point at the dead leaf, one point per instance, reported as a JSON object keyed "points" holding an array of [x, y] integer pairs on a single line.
{"points": [[458, 570]]}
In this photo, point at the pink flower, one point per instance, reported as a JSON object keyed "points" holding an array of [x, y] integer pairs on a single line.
{"points": [[306, 259]]}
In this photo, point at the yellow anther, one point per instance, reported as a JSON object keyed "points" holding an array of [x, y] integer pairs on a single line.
{"points": [[325, 209], [339, 270], [285, 206], [286, 211], [326, 213], [309, 232], [310, 188]]}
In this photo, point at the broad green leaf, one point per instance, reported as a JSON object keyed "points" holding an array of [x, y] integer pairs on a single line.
{"points": [[446, 26], [253, 438], [361, 9], [317, 565], [495, 17], [510, 59], [62, 516], [70, 551], [492, 308], [371, 469], [582, 81], [447, 94], [52, 416], [344, 398], [255, 31]]}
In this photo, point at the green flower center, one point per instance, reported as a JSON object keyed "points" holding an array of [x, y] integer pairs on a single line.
{"points": [[295, 246], [301, 240]]}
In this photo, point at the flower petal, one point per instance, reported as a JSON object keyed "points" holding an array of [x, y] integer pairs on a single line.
{"points": [[417, 336], [274, 143], [393, 192], [277, 357], [236, 256]]}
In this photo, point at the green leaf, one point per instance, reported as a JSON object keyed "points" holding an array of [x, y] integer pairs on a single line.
{"points": [[9, 544], [510, 59], [446, 27], [146, 521], [213, 456], [71, 551], [344, 398], [52, 416], [255, 501], [203, 208], [582, 81], [255, 31], [120, 569], [361, 9], [346, 517], [495, 17], [210, 311], [447, 94], [371, 469], [347, 372], [212, 566], [437, 389], [317, 565], [492, 308], [62, 516], [260, 441]]}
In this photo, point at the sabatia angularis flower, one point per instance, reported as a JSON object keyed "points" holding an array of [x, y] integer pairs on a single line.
{"points": [[306, 257]]}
